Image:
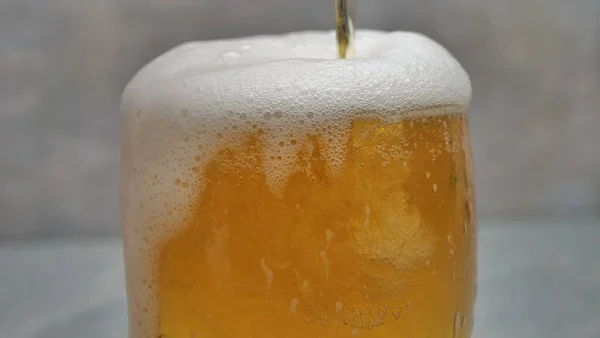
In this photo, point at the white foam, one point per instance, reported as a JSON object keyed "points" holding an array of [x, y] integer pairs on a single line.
{"points": [[206, 94]]}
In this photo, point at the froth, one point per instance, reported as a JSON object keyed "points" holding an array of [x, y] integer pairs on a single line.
{"points": [[299, 73], [184, 106]]}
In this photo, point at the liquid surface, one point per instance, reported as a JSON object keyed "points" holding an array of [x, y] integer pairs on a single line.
{"points": [[382, 247]]}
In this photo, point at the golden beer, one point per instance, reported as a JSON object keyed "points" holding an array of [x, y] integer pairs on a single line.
{"points": [[344, 27], [297, 223]]}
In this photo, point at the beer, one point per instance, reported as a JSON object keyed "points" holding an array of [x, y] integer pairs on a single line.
{"points": [[344, 21], [288, 193]]}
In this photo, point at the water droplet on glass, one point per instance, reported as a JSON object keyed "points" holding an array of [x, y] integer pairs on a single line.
{"points": [[294, 305], [457, 324], [323, 320]]}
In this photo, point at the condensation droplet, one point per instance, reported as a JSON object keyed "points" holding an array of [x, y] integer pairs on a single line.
{"points": [[268, 273], [324, 319], [457, 324], [294, 305]]}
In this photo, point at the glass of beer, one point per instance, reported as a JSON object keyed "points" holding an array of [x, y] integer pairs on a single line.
{"points": [[270, 189]]}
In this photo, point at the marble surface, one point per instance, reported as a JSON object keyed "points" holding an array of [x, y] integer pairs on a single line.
{"points": [[536, 280]]}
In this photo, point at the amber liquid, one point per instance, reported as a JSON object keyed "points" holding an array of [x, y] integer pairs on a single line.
{"points": [[344, 21], [383, 248]]}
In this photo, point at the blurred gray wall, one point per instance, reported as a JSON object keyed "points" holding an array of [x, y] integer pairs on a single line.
{"points": [[63, 63]]}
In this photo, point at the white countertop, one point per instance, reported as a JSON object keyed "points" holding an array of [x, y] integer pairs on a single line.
{"points": [[536, 280]]}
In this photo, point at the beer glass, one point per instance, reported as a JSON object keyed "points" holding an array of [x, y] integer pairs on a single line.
{"points": [[269, 189]]}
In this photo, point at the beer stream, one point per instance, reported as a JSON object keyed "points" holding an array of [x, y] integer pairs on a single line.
{"points": [[344, 19]]}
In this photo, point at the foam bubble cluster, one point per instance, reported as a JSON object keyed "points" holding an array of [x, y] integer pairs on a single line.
{"points": [[187, 104]]}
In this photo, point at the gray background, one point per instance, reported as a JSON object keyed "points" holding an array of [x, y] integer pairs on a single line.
{"points": [[63, 64], [535, 71]]}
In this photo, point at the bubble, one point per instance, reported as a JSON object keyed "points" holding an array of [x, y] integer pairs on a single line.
{"points": [[230, 55]]}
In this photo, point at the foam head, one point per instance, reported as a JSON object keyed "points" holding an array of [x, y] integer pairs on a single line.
{"points": [[299, 72], [200, 92], [185, 105]]}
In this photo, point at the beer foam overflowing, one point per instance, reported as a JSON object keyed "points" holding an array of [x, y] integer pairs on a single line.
{"points": [[189, 103]]}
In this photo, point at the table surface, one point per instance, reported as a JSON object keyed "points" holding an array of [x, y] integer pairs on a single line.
{"points": [[536, 279]]}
